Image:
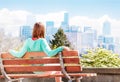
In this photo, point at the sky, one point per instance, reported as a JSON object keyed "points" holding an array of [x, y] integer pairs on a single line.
{"points": [[92, 13]]}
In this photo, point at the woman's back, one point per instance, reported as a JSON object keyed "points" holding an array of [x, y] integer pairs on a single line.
{"points": [[34, 45], [39, 45]]}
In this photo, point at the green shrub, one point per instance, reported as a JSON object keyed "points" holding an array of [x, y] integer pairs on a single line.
{"points": [[100, 57]]}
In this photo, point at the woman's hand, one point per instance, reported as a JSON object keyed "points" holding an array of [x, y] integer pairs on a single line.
{"points": [[66, 48]]}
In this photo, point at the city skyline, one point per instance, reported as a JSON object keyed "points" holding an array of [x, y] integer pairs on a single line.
{"points": [[81, 13]]}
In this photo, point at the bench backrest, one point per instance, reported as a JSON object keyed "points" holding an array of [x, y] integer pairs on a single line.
{"points": [[33, 61]]}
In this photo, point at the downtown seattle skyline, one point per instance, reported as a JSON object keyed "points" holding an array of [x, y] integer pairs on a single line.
{"points": [[81, 13]]}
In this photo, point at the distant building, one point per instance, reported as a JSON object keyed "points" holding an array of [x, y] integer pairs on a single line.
{"points": [[111, 47], [117, 45], [87, 28], [25, 32], [75, 39], [100, 41], [49, 27], [65, 22], [74, 29], [106, 28], [50, 30], [87, 40], [66, 18], [106, 40]]}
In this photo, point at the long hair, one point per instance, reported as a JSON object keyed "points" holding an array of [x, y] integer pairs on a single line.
{"points": [[38, 30]]}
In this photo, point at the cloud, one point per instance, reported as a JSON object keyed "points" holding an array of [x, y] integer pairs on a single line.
{"points": [[11, 20], [13, 17], [96, 23], [57, 17]]}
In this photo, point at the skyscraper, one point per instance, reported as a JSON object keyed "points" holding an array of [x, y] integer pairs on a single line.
{"points": [[106, 28], [25, 32], [49, 26], [66, 18], [50, 30], [65, 22]]}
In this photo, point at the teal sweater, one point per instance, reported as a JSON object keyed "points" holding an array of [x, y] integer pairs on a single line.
{"points": [[39, 45]]}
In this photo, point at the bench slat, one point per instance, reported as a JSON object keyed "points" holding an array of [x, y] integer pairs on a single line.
{"points": [[40, 54], [39, 61], [70, 53], [50, 75], [27, 68]]}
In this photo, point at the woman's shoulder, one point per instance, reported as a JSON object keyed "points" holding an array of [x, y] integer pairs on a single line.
{"points": [[28, 39], [40, 39]]}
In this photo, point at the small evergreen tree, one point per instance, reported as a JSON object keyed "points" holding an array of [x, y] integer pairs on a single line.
{"points": [[59, 39]]}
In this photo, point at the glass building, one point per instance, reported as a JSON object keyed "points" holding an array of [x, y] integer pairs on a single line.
{"points": [[65, 22], [25, 32], [106, 28]]}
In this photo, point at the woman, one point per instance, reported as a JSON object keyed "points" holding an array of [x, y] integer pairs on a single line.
{"points": [[37, 43]]}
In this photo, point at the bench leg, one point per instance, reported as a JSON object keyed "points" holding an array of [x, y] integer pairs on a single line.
{"points": [[69, 80], [58, 79], [14, 80], [6, 80], [21, 80], [78, 79]]}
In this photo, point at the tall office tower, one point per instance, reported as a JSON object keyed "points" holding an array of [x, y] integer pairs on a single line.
{"points": [[50, 30], [25, 32], [106, 28], [65, 22], [49, 27], [108, 41], [66, 18]]}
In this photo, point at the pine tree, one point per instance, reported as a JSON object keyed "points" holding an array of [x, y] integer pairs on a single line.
{"points": [[59, 39]]}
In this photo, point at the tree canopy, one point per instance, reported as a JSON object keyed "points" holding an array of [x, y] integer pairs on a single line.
{"points": [[59, 39]]}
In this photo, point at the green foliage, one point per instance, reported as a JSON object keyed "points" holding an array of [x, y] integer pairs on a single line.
{"points": [[100, 58], [59, 39]]}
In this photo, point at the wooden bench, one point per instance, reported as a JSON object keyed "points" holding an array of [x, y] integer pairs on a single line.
{"points": [[68, 62]]}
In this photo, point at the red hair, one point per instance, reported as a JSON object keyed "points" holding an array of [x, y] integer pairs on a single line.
{"points": [[38, 30]]}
